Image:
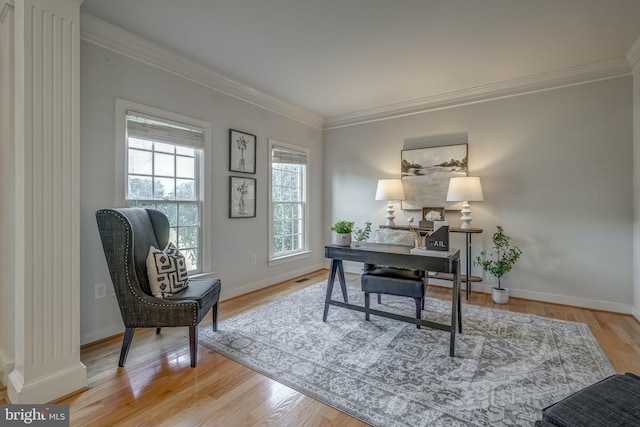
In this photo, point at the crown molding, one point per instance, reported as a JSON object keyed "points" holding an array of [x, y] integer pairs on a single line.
{"points": [[7, 6], [536, 83], [633, 55], [105, 35]]}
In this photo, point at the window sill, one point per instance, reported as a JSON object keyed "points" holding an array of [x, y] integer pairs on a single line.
{"points": [[289, 258]]}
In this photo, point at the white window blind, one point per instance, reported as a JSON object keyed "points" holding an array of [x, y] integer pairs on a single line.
{"points": [[143, 126], [288, 156]]}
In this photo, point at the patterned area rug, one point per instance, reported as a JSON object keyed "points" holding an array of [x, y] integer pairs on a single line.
{"points": [[508, 366]]}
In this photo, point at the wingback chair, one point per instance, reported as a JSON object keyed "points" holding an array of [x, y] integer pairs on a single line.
{"points": [[127, 234]]}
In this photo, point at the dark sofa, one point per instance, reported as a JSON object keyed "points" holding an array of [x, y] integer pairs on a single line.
{"points": [[611, 402]]}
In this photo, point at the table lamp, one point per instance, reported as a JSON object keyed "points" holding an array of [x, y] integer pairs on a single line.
{"points": [[465, 189], [389, 190]]}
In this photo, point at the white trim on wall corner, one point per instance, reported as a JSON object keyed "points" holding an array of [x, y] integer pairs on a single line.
{"points": [[582, 74], [105, 35], [633, 55], [6, 7]]}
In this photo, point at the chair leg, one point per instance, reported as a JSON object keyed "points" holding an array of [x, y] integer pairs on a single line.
{"points": [[158, 330], [379, 298], [418, 310], [367, 302], [214, 314], [193, 345], [126, 343]]}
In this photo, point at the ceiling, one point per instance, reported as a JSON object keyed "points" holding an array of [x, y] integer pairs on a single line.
{"points": [[338, 57]]}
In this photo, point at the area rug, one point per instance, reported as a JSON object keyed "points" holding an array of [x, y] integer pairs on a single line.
{"points": [[508, 366]]}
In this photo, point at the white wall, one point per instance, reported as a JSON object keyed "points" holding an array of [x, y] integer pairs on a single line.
{"points": [[556, 170], [107, 76]]}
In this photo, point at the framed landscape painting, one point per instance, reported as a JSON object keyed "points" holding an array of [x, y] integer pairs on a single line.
{"points": [[426, 173]]}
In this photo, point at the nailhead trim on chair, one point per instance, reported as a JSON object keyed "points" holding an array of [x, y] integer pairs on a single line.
{"points": [[131, 287]]}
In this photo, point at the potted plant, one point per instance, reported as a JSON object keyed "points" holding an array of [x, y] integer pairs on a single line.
{"points": [[343, 231], [498, 261], [361, 234]]}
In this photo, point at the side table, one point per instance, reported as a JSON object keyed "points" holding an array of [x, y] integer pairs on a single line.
{"points": [[444, 276], [468, 232]]}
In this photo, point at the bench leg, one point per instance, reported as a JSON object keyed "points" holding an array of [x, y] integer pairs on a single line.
{"points": [[366, 305], [418, 309]]}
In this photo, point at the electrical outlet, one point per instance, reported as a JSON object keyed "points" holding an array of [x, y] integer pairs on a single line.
{"points": [[101, 290], [253, 259]]}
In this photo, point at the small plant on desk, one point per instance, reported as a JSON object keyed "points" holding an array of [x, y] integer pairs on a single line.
{"points": [[343, 231], [361, 234], [343, 227]]}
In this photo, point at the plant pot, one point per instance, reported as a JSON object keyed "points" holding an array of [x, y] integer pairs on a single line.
{"points": [[500, 295], [343, 239]]}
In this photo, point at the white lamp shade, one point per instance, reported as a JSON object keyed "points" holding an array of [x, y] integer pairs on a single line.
{"points": [[465, 189], [389, 189]]}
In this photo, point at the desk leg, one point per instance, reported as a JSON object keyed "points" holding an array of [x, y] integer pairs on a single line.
{"points": [[455, 307], [343, 282], [468, 263], [336, 266]]}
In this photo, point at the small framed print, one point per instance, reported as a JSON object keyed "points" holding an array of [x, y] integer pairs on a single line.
{"points": [[242, 152], [242, 197], [430, 215]]}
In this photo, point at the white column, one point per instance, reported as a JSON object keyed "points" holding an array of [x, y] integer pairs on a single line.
{"points": [[46, 215], [6, 190]]}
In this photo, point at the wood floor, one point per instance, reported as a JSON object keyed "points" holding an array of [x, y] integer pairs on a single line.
{"points": [[159, 388]]}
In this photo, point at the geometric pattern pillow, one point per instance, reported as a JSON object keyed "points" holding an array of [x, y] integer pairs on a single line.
{"points": [[167, 271]]}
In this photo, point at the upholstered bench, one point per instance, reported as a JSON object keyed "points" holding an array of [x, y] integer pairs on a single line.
{"points": [[394, 281], [612, 402]]}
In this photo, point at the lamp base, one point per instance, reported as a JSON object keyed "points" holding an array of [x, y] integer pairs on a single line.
{"points": [[390, 217], [466, 216]]}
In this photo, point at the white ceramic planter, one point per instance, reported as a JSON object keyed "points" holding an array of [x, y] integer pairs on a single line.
{"points": [[343, 239], [500, 295]]}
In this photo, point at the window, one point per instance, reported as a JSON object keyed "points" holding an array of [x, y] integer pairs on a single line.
{"points": [[163, 170], [288, 203]]}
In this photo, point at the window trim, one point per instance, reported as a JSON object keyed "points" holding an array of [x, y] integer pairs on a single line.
{"points": [[205, 175], [305, 251]]}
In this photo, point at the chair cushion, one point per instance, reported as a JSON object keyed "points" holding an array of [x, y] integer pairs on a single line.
{"points": [[402, 283], [398, 273], [614, 401], [204, 291], [167, 271]]}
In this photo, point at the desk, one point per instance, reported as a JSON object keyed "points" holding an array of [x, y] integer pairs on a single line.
{"points": [[468, 232], [395, 256]]}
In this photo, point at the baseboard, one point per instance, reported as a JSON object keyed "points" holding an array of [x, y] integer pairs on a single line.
{"points": [[356, 268], [228, 293], [98, 334], [47, 388]]}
